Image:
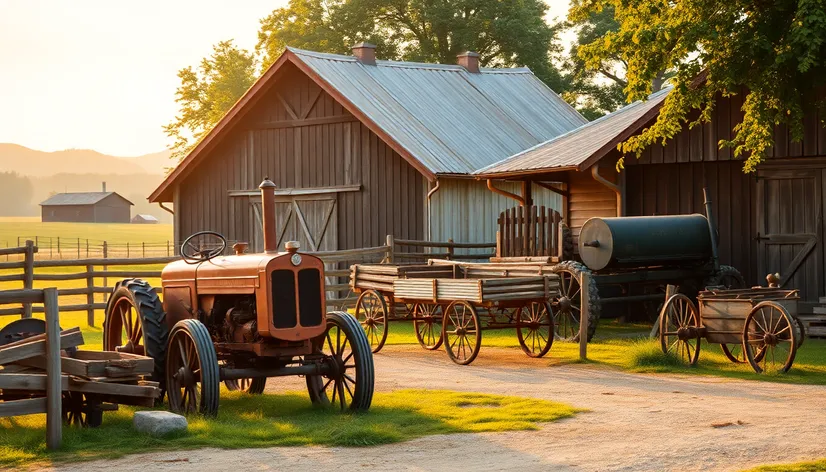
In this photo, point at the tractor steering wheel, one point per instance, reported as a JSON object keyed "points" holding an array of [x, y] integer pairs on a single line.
{"points": [[210, 244]]}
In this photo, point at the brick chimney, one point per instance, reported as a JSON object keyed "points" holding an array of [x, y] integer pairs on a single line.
{"points": [[365, 53], [469, 60], [104, 186]]}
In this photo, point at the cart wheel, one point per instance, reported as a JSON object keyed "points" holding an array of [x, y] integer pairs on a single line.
{"points": [[567, 306], [734, 352], [371, 313], [535, 329], [770, 338], [253, 386], [351, 378], [192, 379], [680, 329], [81, 410], [427, 319], [461, 332]]}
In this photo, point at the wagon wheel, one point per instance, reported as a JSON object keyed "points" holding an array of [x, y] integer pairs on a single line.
{"points": [[734, 352], [461, 332], [350, 378], [680, 329], [770, 338], [427, 320], [535, 329], [192, 378], [371, 313], [81, 410], [567, 305]]}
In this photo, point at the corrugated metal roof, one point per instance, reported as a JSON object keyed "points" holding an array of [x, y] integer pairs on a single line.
{"points": [[577, 146], [78, 198], [450, 120]]}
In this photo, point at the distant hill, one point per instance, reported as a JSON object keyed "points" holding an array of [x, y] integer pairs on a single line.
{"points": [[30, 162]]}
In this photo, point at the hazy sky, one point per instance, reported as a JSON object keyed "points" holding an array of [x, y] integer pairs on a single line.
{"points": [[101, 75]]}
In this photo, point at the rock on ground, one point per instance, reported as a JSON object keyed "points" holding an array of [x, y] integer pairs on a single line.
{"points": [[158, 423]]}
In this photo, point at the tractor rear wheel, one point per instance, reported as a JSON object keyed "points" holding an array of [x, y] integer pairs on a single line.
{"points": [[135, 323]]}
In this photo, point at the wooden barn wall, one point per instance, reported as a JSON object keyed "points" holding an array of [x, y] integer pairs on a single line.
{"points": [[300, 137], [589, 198], [677, 189], [466, 210]]}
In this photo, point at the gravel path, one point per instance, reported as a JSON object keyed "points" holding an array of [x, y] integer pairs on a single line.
{"points": [[635, 422]]}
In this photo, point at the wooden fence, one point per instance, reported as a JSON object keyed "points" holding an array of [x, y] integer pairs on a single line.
{"points": [[97, 275]]}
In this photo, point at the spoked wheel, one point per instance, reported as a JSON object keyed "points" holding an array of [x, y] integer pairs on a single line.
{"points": [[427, 320], [81, 410], [680, 329], [136, 323], [770, 338], [253, 386], [371, 313], [345, 352], [461, 332], [568, 305], [192, 377], [734, 352], [535, 329]]}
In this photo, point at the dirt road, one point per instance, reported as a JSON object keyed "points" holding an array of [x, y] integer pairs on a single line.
{"points": [[636, 422]]}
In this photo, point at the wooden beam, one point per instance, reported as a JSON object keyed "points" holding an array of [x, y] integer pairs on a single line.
{"points": [[69, 338], [298, 191], [29, 406], [325, 120]]}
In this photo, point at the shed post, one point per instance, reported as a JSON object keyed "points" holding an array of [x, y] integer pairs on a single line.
{"points": [[28, 275], [584, 281], [391, 244], [54, 395]]}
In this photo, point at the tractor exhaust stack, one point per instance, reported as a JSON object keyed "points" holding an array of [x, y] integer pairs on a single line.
{"points": [[268, 216]]}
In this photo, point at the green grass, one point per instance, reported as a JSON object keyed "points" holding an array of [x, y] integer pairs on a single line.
{"points": [[285, 420], [810, 466], [12, 228]]}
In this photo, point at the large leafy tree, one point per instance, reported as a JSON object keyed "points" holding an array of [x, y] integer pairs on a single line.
{"points": [[206, 93], [773, 52]]}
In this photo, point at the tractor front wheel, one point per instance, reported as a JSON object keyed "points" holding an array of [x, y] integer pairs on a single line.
{"points": [[192, 376]]}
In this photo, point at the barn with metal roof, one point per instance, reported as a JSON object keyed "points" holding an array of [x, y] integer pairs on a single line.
{"points": [[86, 207], [361, 148]]}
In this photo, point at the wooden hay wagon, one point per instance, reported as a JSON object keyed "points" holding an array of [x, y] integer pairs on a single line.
{"points": [[757, 325]]}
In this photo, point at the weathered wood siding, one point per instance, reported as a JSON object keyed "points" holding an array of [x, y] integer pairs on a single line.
{"points": [[589, 198], [300, 137]]}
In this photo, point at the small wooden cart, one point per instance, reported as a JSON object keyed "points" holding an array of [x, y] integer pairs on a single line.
{"points": [[757, 325]]}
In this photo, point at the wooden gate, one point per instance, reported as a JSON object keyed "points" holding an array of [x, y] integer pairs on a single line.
{"points": [[529, 233], [309, 219], [790, 228]]}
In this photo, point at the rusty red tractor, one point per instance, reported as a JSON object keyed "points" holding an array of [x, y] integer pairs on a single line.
{"points": [[240, 319]]}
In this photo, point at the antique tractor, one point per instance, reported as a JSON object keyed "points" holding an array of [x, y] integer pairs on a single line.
{"points": [[241, 319]]}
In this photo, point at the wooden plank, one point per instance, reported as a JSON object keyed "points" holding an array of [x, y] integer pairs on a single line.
{"points": [[584, 314], [28, 406], [69, 338]]}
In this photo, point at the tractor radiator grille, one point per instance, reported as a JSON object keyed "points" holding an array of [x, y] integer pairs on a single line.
{"points": [[309, 297], [283, 299]]}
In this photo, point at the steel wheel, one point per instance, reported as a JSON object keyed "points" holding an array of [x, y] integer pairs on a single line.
{"points": [[371, 313], [734, 352], [770, 338], [253, 386], [427, 320], [567, 307], [461, 332], [192, 378], [680, 329], [535, 329], [344, 350]]}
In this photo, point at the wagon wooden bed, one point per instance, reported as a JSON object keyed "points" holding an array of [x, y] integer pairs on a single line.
{"points": [[449, 307], [757, 325]]}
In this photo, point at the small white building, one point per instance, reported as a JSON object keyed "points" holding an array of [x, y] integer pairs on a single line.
{"points": [[143, 219]]}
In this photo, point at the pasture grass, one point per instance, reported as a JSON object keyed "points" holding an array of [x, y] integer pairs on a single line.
{"points": [[246, 421], [115, 233], [808, 466]]}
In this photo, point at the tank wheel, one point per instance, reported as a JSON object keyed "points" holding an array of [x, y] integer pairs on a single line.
{"points": [[567, 306], [734, 352], [461, 332], [427, 320], [192, 377], [770, 338], [535, 329], [136, 323], [727, 277], [680, 329], [351, 379], [81, 410], [253, 386], [371, 313]]}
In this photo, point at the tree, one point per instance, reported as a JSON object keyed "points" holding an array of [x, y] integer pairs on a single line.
{"points": [[772, 52], [16, 193], [503, 32], [207, 94]]}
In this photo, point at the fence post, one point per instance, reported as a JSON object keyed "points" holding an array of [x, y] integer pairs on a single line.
{"points": [[105, 268], [54, 395], [584, 283], [167, 248], [28, 275], [59, 253], [127, 250], [670, 290], [78, 248], [450, 249], [390, 242], [143, 249], [90, 296], [87, 248]]}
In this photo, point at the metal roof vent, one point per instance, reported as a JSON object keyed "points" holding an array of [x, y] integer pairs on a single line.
{"points": [[365, 53], [469, 60]]}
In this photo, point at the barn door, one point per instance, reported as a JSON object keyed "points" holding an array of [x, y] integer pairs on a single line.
{"points": [[790, 229], [310, 220]]}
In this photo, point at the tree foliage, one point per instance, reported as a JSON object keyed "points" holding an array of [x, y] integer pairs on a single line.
{"points": [[16, 192], [772, 52], [207, 93]]}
